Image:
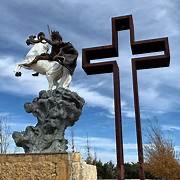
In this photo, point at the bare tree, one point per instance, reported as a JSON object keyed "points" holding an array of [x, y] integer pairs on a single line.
{"points": [[89, 159], [4, 134], [160, 156], [95, 157], [72, 141]]}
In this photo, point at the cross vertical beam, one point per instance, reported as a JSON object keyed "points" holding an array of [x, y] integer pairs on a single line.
{"points": [[138, 121], [137, 47], [118, 122]]}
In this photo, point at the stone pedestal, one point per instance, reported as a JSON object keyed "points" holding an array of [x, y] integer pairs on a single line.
{"points": [[56, 166], [55, 111]]}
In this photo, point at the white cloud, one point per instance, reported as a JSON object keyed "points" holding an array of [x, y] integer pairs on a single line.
{"points": [[170, 128], [20, 85], [28, 85], [4, 114], [25, 85], [12, 147], [19, 126], [104, 147], [96, 143], [177, 148], [95, 98], [129, 113], [161, 20]]}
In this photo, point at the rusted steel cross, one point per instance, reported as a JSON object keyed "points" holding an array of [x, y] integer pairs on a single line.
{"points": [[147, 62]]}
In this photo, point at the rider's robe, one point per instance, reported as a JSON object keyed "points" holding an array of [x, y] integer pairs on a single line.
{"points": [[70, 54]]}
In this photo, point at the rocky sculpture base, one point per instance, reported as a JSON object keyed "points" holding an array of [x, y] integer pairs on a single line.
{"points": [[60, 166], [55, 110]]}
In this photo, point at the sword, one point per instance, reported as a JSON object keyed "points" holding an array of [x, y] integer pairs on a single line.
{"points": [[49, 31]]}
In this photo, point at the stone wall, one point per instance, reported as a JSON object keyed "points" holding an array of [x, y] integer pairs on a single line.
{"points": [[45, 167]]}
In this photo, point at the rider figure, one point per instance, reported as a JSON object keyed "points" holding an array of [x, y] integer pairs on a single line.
{"points": [[63, 52], [55, 42]]}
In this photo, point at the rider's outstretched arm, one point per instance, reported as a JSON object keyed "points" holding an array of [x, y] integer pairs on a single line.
{"points": [[53, 43], [35, 41]]}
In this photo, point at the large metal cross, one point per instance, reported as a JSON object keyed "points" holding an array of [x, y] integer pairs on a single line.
{"points": [[146, 62]]}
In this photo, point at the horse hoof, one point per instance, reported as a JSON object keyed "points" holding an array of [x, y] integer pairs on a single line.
{"points": [[35, 74], [18, 74]]}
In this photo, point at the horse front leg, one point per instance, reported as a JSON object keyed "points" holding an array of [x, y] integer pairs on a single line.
{"points": [[17, 70]]}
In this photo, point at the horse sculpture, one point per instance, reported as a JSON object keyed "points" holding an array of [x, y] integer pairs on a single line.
{"points": [[52, 69]]}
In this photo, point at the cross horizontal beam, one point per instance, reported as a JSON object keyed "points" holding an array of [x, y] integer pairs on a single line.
{"points": [[137, 47]]}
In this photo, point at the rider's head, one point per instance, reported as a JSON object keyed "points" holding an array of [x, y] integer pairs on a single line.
{"points": [[56, 36], [41, 34]]}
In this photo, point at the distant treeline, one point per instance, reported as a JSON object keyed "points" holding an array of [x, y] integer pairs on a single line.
{"points": [[109, 171]]}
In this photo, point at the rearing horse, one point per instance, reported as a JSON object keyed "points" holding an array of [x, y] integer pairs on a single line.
{"points": [[52, 69]]}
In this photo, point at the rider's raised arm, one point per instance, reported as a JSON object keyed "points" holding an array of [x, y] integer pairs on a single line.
{"points": [[53, 43], [35, 40]]}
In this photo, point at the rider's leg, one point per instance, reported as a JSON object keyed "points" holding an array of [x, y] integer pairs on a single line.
{"points": [[37, 58], [33, 61]]}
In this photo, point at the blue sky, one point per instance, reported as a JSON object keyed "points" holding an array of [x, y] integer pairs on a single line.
{"points": [[86, 24]]}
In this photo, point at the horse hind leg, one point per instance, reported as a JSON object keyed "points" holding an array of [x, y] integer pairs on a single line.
{"points": [[56, 84], [50, 81], [65, 80]]}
